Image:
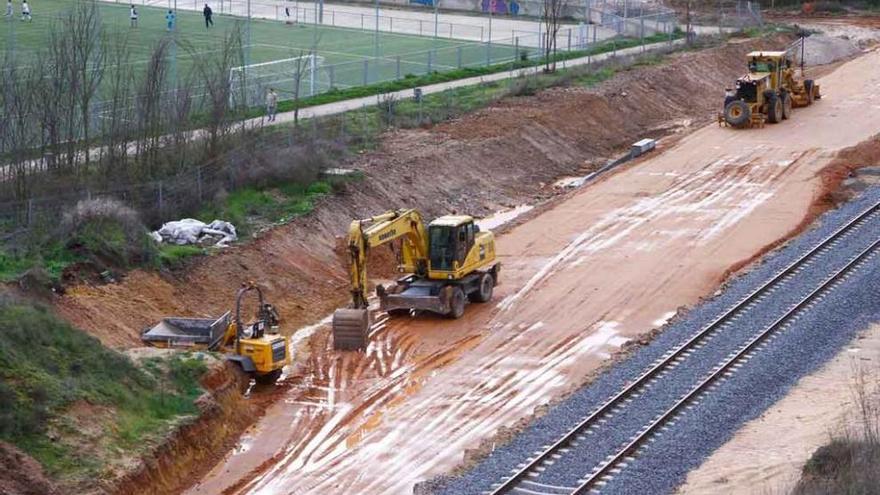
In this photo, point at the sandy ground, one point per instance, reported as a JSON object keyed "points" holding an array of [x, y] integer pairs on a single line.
{"points": [[579, 280], [758, 459]]}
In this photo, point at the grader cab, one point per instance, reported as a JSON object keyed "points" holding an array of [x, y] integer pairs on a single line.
{"points": [[768, 92]]}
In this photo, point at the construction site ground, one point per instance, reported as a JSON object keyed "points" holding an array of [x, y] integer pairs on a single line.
{"points": [[756, 461], [584, 274]]}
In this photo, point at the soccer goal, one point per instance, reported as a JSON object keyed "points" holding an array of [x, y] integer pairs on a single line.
{"points": [[294, 77]]}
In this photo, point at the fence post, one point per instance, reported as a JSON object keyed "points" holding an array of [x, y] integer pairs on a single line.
{"points": [[362, 20], [642, 33], [333, 18], [331, 72], [390, 24], [161, 199], [398, 67], [366, 70], [569, 39], [420, 27], [430, 60], [458, 57], [450, 30], [30, 212], [199, 183], [516, 49]]}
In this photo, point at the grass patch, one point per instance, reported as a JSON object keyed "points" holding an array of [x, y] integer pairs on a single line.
{"points": [[174, 256], [46, 365], [251, 206], [53, 258]]}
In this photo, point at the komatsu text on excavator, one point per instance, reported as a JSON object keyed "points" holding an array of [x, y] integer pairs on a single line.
{"points": [[445, 264]]}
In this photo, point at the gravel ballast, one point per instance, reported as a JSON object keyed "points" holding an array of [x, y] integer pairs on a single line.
{"points": [[813, 339]]}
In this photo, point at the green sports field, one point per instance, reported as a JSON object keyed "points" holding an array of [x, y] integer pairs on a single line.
{"points": [[347, 56]]}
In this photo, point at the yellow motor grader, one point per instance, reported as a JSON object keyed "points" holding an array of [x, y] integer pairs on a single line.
{"points": [[445, 263], [768, 92]]}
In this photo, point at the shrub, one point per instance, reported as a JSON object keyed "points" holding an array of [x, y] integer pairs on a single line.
{"points": [[108, 233]]}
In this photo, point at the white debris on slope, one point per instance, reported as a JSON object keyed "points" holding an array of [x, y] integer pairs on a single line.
{"points": [[191, 231], [821, 49]]}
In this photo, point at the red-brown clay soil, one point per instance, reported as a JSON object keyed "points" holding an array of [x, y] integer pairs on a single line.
{"points": [[20, 474], [506, 155], [597, 270], [602, 266]]}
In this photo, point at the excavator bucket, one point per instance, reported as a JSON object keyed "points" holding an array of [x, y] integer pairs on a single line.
{"points": [[350, 329]]}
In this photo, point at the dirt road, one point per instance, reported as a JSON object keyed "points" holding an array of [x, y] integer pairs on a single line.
{"points": [[603, 267]]}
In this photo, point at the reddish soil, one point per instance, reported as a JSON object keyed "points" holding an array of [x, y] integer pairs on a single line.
{"points": [[506, 155], [20, 474], [194, 446], [710, 202], [581, 279]]}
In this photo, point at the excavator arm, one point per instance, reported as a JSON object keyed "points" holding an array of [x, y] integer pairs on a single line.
{"points": [[368, 233], [351, 325]]}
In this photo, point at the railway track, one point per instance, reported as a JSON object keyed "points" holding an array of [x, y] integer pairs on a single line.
{"points": [[541, 474]]}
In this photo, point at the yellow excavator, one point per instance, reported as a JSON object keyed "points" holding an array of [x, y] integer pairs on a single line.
{"points": [[445, 264], [256, 346]]}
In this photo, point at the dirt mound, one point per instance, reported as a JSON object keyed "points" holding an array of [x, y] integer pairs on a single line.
{"points": [[20, 474], [193, 447], [503, 156]]}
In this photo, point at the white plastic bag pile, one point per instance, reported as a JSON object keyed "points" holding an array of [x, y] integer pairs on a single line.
{"points": [[191, 231]]}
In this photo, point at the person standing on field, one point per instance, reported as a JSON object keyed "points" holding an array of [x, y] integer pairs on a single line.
{"points": [[271, 104], [133, 15], [208, 13], [26, 11], [169, 18], [8, 9]]}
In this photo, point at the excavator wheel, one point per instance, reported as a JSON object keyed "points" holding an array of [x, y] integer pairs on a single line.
{"points": [[456, 303], [350, 329], [484, 291], [268, 378]]}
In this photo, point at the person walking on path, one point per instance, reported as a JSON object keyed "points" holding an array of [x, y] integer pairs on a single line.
{"points": [[169, 17], [133, 15], [208, 13], [271, 104], [8, 9], [26, 11]]}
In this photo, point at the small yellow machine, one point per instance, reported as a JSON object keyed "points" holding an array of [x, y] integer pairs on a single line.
{"points": [[256, 346], [446, 263], [768, 92]]}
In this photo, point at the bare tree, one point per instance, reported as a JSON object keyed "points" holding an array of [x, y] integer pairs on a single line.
{"points": [[551, 16], [88, 51], [214, 74]]}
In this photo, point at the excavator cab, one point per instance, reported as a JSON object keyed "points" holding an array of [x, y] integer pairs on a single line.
{"points": [[449, 242]]}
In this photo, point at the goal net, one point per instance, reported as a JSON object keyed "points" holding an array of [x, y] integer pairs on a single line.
{"points": [[296, 77]]}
